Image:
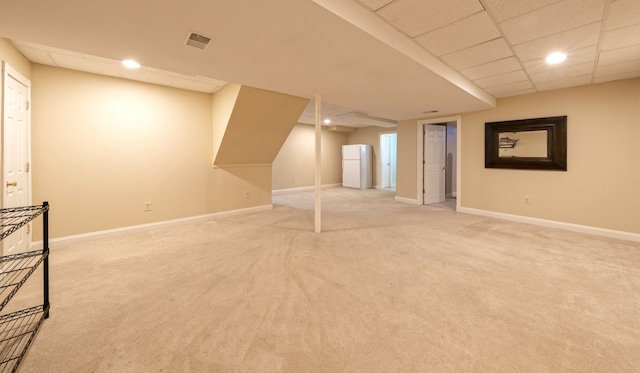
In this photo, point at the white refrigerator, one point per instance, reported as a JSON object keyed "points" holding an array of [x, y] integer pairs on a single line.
{"points": [[356, 166]]}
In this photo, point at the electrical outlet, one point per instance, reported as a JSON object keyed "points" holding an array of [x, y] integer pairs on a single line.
{"points": [[247, 194], [527, 200], [147, 206]]}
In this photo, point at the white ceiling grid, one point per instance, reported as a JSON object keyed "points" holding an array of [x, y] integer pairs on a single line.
{"points": [[501, 45], [462, 51]]}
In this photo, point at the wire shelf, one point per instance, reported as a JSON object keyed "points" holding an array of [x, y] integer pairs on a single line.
{"points": [[14, 218], [15, 271], [17, 331]]}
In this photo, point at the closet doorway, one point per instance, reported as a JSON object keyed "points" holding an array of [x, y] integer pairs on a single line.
{"points": [[388, 158]]}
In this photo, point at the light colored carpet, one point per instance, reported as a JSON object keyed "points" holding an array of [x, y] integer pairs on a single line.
{"points": [[387, 287]]}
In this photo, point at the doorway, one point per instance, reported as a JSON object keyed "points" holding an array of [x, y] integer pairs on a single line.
{"points": [[388, 159], [16, 180], [438, 162]]}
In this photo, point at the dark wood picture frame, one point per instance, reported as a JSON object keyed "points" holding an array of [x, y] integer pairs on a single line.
{"points": [[556, 158]]}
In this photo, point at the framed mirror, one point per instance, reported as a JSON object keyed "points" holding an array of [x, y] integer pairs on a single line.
{"points": [[532, 144]]}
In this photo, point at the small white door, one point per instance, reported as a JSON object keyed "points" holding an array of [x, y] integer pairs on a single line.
{"points": [[15, 134], [435, 137], [388, 160]]}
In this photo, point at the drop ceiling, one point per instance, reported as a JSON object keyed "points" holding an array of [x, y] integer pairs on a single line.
{"points": [[370, 59]]}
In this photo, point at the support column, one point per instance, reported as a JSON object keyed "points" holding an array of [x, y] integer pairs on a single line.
{"points": [[318, 164]]}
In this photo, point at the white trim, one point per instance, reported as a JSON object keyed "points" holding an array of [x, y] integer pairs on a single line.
{"points": [[610, 233], [420, 155], [407, 200], [68, 240], [303, 189]]}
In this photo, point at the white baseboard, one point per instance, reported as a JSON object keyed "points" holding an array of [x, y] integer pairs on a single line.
{"points": [[610, 233], [303, 189], [63, 241], [410, 201]]}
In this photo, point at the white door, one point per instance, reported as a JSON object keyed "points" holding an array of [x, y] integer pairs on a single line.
{"points": [[388, 160], [435, 138], [15, 134]]}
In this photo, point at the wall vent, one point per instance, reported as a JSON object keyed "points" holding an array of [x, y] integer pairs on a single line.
{"points": [[198, 41]]}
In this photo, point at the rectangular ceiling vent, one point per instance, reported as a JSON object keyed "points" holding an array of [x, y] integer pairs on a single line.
{"points": [[197, 41]]}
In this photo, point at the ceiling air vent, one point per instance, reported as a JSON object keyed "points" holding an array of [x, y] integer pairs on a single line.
{"points": [[197, 41]]}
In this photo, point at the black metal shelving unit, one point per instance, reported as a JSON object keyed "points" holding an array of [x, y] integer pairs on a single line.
{"points": [[19, 328]]}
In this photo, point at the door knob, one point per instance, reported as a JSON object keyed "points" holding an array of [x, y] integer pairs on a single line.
{"points": [[12, 183], [444, 168]]}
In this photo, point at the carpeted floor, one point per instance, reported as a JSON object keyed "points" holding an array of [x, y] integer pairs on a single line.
{"points": [[387, 287]]}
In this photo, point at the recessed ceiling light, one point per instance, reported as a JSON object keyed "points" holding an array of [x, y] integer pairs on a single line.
{"points": [[131, 64], [327, 121], [556, 57], [429, 111]]}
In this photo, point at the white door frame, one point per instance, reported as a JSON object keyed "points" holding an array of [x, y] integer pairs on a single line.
{"points": [[8, 71], [380, 134], [420, 155]]}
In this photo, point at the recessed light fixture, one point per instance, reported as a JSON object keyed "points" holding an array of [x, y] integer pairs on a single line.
{"points": [[556, 57], [131, 64], [327, 121], [429, 111]]}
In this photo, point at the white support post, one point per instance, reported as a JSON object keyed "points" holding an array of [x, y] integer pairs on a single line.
{"points": [[318, 168]]}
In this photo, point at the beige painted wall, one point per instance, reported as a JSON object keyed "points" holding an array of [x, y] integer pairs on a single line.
{"points": [[600, 187], [598, 190], [294, 164], [103, 146], [406, 175], [11, 55]]}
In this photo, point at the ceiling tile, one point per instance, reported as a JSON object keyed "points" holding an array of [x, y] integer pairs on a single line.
{"points": [[619, 68], [36, 55], [480, 54], [609, 78], [77, 62], [514, 93], [465, 33], [567, 41], [577, 57], [502, 79], [375, 4], [562, 73], [564, 83], [505, 9], [558, 17], [492, 68], [622, 13], [146, 76], [193, 85], [620, 38], [619, 55], [513, 87], [416, 17]]}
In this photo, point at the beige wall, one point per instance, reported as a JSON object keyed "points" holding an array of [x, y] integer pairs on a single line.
{"points": [[600, 186], [598, 190], [11, 55], [103, 146], [294, 164], [406, 174]]}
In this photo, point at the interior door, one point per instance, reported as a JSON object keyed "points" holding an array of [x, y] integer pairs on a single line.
{"points": [[15, 134], [435, 138], [385, 160]]}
